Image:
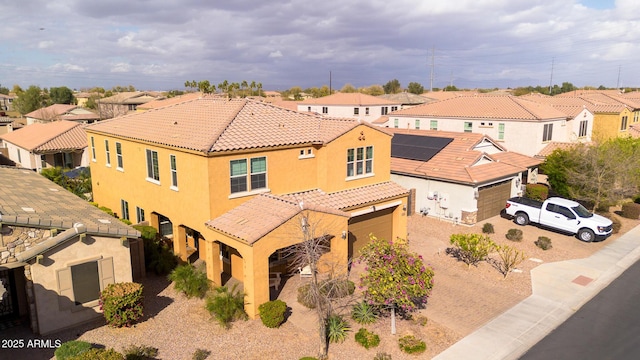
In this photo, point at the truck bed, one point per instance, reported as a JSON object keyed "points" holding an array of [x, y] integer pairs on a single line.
{"points": [[526, 201]]}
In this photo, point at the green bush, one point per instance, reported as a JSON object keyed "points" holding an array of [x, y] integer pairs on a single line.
{"points": [[412, 345], [158, 255], [140, 352], [367, 339], [543, 243], [631, 210], [71, 348], [471, 248], [305, 297], [122, 303], [514, 235], [200, 354], [308, 358], [146, 232], [382, 356], [98, 354], [536, 192], [189, 280], [272, 313], [487, 228], [107, 210], [364, 313], [226, 305], [337, 329], [126, 221]]}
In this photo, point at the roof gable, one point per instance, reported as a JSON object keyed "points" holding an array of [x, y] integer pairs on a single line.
{"points": [[49, 136], [349, 99]]}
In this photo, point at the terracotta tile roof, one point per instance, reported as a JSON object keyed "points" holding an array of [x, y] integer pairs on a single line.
{"points": [[211, 124], [459, 162], [29, 199], [153, 104], [406, 98], [486, 107], [552, 146], [603, 105], [57, 135], [634, 130], [255, 218], [51, 112], [346, 99], [130, 97]]}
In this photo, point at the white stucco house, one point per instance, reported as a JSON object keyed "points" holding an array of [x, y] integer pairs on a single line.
{"points": [[460, 177], [350, 105]]}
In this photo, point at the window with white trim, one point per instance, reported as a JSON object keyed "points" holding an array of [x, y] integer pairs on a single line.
{"points": [[93, 149], [359, 161], [583, 128], [468, 126], [248, 178], [366, 111], [384, 110], [325, 110], [119, 156], [433, 125], [139, 214], [356, 111], [623, 124], [80, 284], [124, 209], [174, 171], [417, 124], [547, 132], [501, 131], [107, 152], [152, 165], [396, 123]]}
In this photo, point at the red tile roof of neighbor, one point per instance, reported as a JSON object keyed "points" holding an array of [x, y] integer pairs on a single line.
{"points": [[255, 218], [456, 162], [211, 124], [153, 104], [348, 99], [54, 136], [63, 112], [565, 103], [554, 145], [486, 107]]}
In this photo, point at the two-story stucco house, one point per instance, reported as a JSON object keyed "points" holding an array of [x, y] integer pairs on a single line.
{"points": [[58, 112], [350, 105], [228, 180], [520, 125]]}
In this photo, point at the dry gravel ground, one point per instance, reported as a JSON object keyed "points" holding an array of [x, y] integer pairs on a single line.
{"points": [[463, 299]]}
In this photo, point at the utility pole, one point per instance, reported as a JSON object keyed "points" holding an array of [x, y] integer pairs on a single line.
{"points": [[330, 91], [433, 64], [618, 82], [551, 80]]}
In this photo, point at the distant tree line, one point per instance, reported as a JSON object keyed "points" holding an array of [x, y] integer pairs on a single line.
{"points": [[232, 89]]}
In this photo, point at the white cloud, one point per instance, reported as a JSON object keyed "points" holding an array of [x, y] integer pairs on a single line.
{"points": [[275, 54]]}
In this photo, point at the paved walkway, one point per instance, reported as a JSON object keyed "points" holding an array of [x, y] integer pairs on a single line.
{"points": [[559, 290]]}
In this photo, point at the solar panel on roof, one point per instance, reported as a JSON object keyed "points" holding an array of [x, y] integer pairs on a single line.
{"points": [[416, 147]]}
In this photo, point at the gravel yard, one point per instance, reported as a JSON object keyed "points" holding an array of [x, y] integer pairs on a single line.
{"points": [[463, 299]]}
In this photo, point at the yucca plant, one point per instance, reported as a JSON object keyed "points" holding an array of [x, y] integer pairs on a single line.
{"points": [[337, 329], [226, 305], [189, 280], [364, 313]]}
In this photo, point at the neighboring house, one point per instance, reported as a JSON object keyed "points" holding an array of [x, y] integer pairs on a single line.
{"points": [[519, 125], [57, 253], [59, 143], [123, 103], [228, 179], [6, 102], [272, 96], [6, 124], [158, 103], [464, 178], [57, 112], [350, 105], [406, 99]]}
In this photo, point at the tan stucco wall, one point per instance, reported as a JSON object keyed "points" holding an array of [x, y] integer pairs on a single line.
{"points": [[50, 317], [609, 125]]}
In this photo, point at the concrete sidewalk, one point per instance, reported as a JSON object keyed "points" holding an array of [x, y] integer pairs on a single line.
{"points": [[559, 290]]}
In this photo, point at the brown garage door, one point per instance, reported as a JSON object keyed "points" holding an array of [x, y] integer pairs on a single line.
{"points": [[492, 198], [378, 223]]}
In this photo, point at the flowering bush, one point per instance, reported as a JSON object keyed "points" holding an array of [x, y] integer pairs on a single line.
{"points": [[122, 303], [395, 276]]}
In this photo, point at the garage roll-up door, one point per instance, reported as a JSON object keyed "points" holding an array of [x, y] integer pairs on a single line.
{"points": [[378, 223], [491, 199]]}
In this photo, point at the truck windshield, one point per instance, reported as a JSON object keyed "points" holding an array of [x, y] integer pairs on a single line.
{"points": [[582, 211]]}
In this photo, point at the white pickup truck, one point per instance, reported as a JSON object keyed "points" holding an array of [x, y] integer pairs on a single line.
{"points": [[560, 214]]}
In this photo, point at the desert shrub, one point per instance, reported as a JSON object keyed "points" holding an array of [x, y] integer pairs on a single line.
{"points": [[421, 320], [272, 313], [71, 348], [536, 192], [631, 210], [487, 228], [617, 225], [305, 297], [200, 354], [514, 235], [158, 254], [122, 303], [140, 352], [382, 356], [107, 210], [471, 248], [367, 339], [226, 305], [543, 243], [337, 329], [509, 258], [98, 354], [146, 232], [411, 344], [126, 221], [335, 289], [364, 313], [189, 280]]}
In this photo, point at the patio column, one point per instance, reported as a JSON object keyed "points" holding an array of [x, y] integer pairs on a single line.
{"points": [[214, 264], [180, 242]]}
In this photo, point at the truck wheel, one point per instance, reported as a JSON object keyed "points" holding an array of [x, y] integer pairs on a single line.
{"points": [[522, 219], [586, 235]]}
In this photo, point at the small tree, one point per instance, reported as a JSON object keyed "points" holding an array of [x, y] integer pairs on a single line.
{"points": [[509, 258], [395, 277], [471, 248]]}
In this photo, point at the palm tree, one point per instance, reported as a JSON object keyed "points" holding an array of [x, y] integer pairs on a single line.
{"points": [[252, 86]]}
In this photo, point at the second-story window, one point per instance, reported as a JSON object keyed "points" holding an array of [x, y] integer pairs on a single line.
{"points": [[325, 110], [501, 131], [356, 111], [468, 126], [248, 178], [366, 111], [119, 156], [547, 132], [433, 125], [417, 124], [359, 161], [384, 110], [152, 165], [583, 128], [93, 149], [623, 124], [396, 123], [107, 152], [174, 171]]}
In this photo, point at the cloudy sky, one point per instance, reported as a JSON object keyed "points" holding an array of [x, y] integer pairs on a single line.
{"points": [[158, 45]]}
